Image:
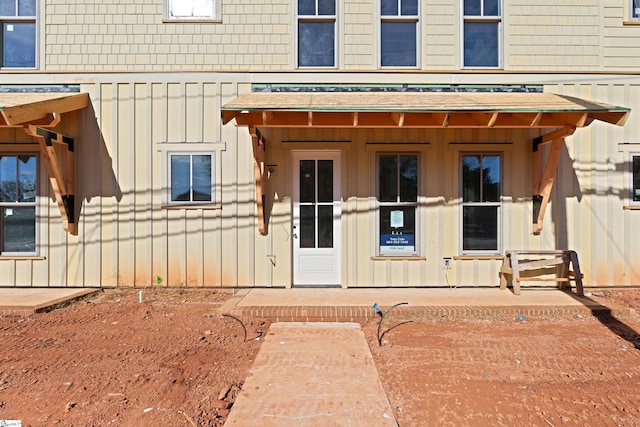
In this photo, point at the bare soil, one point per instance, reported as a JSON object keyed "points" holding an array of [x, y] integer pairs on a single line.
{"points": [[174, 360]]}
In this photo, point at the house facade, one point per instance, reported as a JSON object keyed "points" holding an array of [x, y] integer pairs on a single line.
{"points": [[352, 143]]}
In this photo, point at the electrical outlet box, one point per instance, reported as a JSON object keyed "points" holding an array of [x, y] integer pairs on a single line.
{"points": [[446, 263]]}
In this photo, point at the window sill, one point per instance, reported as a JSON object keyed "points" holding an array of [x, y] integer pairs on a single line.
{"points": [[21, 258], [631, 208], [192, 21], [399, 258], [479, 257], [634, 22], [192, 207]]}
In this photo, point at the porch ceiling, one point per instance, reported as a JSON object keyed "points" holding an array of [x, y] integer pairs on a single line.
{"points": [[418, 110]]}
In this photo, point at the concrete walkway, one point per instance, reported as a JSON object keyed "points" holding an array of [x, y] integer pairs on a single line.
{"points": [[313, 374], [26, 301]]}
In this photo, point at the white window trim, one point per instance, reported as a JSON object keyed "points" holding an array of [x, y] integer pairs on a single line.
{"points": [[399, 18], [23, 19], [499, 204], [319, 18], [215, 17], [213, 148], [35, 204], [632, 154], [481, 18], [416, 243]]}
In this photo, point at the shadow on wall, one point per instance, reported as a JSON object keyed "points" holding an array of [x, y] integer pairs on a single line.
{"points": [[95, 176]]}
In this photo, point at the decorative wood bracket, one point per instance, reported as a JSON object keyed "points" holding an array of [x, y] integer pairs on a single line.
{"points": [[58, 153], [260, 175], [543, 184]]}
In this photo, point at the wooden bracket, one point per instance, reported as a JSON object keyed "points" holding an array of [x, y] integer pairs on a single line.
{"points": [[58, 153], [260, 175]]}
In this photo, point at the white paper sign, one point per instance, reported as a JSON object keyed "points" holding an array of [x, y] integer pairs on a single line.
{"points": [[397, 219]]}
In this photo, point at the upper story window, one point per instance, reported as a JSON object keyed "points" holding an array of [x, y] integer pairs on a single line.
{"points": [[194, 9], [398, 204], [18, 181], [18, 20], [317, 33], [398, 33], [481, 203], [481, 33], [635, 178]]}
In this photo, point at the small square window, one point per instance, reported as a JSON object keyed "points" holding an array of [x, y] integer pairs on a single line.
{"points": [[193, 9], [191, 178], [18, 41]]}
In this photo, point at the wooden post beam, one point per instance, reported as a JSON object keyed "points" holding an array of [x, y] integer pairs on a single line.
{"points": [[259, 173], [546, 183], [58, 153]]}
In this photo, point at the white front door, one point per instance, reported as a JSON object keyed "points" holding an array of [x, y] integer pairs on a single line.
{"points": [[316, 218]]}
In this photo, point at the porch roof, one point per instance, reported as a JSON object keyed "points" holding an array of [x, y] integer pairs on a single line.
{"points": [[418, 110], [37, 113]]}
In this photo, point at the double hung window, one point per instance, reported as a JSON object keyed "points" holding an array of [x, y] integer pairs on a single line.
{"points": [[18, 20], [316, 33], [193, 9], [481, 33], [481, 195], [398, 33], [18, 180], [635, 10], [398, 204]]}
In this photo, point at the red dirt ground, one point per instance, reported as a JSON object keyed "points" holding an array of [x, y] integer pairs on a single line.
{"points": [[173, 360]]}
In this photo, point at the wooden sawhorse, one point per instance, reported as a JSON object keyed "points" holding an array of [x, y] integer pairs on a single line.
{"points": [[515, 262]]}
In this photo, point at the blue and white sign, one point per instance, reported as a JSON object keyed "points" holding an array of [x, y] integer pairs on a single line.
{"points": [[397, 243]]}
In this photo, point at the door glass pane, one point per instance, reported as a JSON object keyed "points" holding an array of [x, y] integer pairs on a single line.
{"points": [[26, 178], [19, 44], [398, 44], [26, 7], [481, 44], [636, 178], [19, 226], [7, 8], [397, 229], [316, 44], [408, 178], [388, 179], [306, 7], [308, 226], [325, 180], [180, 178], [480, 228], [201, 177], [471, 178], [307, 181], [389, 7], [409, 7], [490, 178], [8, 179], [325, 226]]}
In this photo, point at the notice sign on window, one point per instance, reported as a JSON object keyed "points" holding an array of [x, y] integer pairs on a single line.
{"points": [[397, 243]]}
